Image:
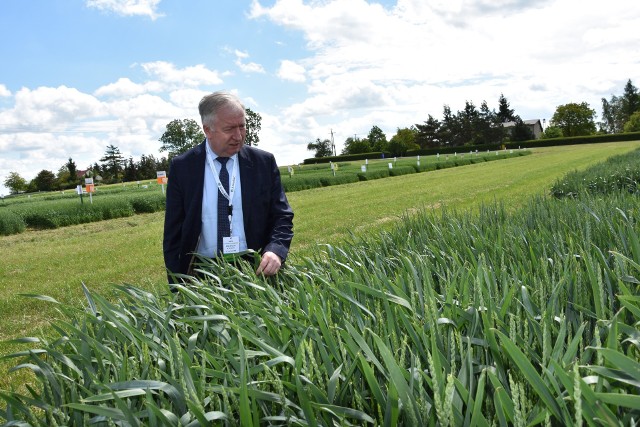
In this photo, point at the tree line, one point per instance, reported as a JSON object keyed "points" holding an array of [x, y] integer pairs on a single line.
{"points": [[113, 167], [479, 126], [470, 126], [178, 137]]}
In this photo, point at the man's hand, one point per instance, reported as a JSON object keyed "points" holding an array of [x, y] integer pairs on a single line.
{"points": [[269, 265]]}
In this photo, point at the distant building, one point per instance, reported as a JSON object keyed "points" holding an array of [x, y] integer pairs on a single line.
{"points": [[535, 125]]}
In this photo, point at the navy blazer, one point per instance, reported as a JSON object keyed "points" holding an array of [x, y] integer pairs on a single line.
{"points": [[268, 218]]}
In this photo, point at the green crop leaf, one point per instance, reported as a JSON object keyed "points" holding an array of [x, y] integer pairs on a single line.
{"points": [[532, 376]]}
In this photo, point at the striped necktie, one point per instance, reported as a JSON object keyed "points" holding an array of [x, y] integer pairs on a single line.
{"points": [[224, 228]]}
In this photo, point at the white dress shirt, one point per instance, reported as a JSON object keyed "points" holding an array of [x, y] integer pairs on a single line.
{"points": [[208, 243]]}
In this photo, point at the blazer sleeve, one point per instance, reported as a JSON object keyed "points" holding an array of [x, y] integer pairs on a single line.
{"points": [[182, 220], [173, 221], [268, 217], [281, 216]]}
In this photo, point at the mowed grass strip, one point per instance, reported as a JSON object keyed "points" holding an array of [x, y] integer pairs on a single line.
{"points": [[328, 214], [129, 250]]}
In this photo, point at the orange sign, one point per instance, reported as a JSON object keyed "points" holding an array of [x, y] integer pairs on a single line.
{"points": [[89, 188], [161, 177]]}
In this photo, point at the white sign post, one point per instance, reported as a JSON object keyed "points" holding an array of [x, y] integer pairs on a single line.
{"points": [[79, 192], [161, 178], [90, 188]]}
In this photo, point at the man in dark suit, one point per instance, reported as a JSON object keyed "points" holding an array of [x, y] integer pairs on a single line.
{"points": [[243, 180]]}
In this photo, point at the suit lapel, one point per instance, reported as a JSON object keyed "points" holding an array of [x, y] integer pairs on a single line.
{"points": [[197, 172], [247, 173]]}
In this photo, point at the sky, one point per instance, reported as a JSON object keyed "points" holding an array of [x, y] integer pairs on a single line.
{"points": [[79, 75]]}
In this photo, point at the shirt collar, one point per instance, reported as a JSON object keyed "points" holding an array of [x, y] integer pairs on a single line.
{"points": [[213, 155]]}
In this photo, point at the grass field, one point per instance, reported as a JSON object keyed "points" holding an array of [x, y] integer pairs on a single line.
{"points": [[56, 262]]}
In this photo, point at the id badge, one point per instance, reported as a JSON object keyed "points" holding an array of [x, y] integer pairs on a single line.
{"points": [[231, 245]]}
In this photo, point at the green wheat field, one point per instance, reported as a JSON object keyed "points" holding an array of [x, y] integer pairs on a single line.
{"points": [[457, 296]]}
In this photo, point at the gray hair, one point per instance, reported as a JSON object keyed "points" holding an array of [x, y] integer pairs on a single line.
{"points": [[214, 102]]}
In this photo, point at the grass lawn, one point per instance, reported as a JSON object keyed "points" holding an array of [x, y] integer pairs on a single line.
{"points": [[56, 262]]}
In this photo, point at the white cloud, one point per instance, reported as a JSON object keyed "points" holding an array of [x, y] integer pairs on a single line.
{"points": [[290, 70], [123, 88], [49, 108], [165, 77], [428, 54], [358, 64], [49, 125], [128, 7], [167, 73], [249, 67]]}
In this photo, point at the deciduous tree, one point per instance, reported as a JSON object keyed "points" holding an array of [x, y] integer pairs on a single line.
{"points": [[377, 139], [403, 141], [552, 132], [15, 183], [633, 124], [180, 136], [253, 125], [322, 148], [612, 115], [575, 119], [617, 111], [356, 146], [45, 181]]}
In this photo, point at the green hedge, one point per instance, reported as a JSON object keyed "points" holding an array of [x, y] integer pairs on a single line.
{"points": [[374, 174], [148, 203], [55, 214], [10, 223], [574, 140], [425, 167], [300, 184], [308, 183], [589, 139], [53, 210], [345, 158], [402, 170], [62, 212]]}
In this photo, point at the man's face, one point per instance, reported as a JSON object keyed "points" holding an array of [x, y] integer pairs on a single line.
{"points": [[228, 133]]}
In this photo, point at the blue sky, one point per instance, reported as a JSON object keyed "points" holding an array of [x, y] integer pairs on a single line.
{"points": [[78, 75]]}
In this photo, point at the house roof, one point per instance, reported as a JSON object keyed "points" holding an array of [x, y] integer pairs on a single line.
{"points": [[526, 122]]}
